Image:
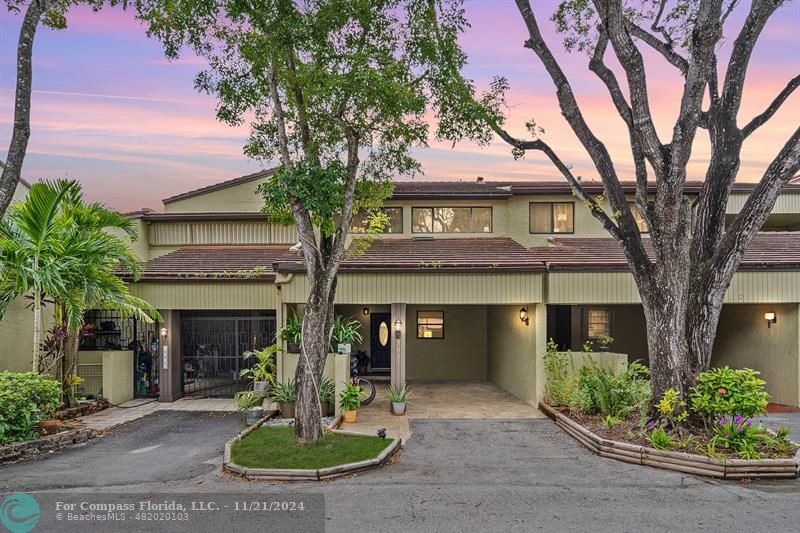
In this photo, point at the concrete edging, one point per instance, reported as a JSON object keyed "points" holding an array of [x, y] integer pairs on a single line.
{"points": [[321, 474], [678, 461], [32, 448]]}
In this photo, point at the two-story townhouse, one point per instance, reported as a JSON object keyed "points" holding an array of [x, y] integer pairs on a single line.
{"points": [[468, 282]]}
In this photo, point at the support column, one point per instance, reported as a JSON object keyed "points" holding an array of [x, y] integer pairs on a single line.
{"points": [[170, 371], [540, 323], [399, 345]]}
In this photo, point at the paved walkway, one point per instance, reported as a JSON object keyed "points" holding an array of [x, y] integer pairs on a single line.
{"points": [[138, 408], [441, 400]]}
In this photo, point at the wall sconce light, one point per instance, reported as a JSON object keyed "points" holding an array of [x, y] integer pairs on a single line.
{"points": [[523, 316], [365, 311], [398, 328], [164, 333], [771, 318]]}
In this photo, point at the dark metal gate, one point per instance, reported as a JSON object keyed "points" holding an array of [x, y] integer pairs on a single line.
{"points": [[111, 331], [212, 348]]}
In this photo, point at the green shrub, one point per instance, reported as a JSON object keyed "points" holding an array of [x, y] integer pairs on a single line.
{"points": [[601, 391], [660, 439], [560, 370], [283, 393], [25, 399], [722, 392]]}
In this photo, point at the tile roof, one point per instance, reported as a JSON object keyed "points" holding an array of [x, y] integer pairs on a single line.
{"points": [[209, 263], [481, 254], [768, 250]]}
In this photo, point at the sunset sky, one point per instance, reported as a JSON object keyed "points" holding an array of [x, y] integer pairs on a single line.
{"points": [[109, 110]]}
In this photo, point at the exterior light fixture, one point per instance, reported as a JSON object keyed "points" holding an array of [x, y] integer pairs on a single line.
{"points": [[398, 328], [523, 316], [365, 311], [164, 333], [771, 318]]}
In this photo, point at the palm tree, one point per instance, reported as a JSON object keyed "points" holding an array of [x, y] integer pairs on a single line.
{"points": [[55, 245]]}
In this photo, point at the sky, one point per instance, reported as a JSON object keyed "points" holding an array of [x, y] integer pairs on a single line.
{"points": [[109, 110]]}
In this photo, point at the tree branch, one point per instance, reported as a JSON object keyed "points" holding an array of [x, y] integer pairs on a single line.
{"points": [[21, 132], [759, 120], [665, 49]]}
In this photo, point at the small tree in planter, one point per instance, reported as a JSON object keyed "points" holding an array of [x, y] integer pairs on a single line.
{"points": [[398, 398], [604, 342], [349, 402], [345, 332], [292, 333], [284, 395], [248, 403], [263, 372]]}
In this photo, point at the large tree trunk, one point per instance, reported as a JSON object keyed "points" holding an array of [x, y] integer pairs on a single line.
{"points": [[21, 132]]}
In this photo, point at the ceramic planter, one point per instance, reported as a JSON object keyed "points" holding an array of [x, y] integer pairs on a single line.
{"points": [[344, 349], [603, 348], [350, 416], [398, 408], [325, 408], [261, 386], [253, 415], [287, 410], [293, 347]]}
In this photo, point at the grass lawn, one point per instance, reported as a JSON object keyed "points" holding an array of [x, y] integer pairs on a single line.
{"points": [[274, 447]]}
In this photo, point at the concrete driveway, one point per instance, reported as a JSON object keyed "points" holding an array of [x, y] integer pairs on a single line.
{"points": [[455, 475]]}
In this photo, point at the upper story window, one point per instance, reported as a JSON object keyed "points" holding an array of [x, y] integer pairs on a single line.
{"points": [[361, 220], [637, 216], [552, 217], [451, 220]]}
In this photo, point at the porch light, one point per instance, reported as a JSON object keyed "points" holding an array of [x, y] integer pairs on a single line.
{"points": [[398, 327], [523, 316], [365, 311], [771, 318], [164, 333]]}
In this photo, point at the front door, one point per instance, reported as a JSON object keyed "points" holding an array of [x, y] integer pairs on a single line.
{"points": [[380, 347]]}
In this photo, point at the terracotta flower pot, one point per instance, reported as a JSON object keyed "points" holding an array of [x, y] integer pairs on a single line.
{"points": [[287, 410], [350, 416], [49, 427]]}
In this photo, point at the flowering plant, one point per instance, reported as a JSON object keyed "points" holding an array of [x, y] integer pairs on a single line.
{"points": [[736, 433], [727, 392]]}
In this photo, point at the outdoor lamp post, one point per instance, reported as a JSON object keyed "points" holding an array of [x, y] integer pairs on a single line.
{"points": [[523, 316], [771, 318]]}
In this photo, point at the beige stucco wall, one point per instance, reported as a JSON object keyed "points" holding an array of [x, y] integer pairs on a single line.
{"points": [[118, 376], [237, 199], [287, 366], [744, 340], [16, 337], [461, 355], [511, 351]]}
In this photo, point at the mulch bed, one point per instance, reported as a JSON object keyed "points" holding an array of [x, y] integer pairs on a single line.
{"points": [[629, 430]]}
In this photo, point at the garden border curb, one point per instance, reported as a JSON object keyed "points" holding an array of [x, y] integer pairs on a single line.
{"points": [[321, 474], [31, 449], [681, 462]]}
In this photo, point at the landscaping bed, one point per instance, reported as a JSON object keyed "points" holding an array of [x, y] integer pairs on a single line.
{"points": [[634, 451], [269, 453], [82, 409], [66, 436]]}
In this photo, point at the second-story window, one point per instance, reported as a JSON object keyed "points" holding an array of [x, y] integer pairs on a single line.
{"points": [[637, 216], [451, 219], [552, 217], [361, 220]]}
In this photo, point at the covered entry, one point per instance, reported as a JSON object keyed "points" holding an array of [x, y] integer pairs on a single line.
{"points": [[213, 344]]}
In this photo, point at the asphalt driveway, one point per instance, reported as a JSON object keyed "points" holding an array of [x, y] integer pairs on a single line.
{"points": [[454, 475]]}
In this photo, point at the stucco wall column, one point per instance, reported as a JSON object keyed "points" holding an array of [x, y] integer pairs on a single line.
{"points": [[399, 345], [540, 324], [170, 371]]}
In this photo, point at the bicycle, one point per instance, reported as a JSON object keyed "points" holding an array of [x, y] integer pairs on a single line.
{"points": [[366, 386]]}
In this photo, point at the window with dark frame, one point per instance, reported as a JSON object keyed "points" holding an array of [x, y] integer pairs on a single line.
{"points": [[430, 324], [598, 323], [551, 217], [361, 221], [451, 219]]}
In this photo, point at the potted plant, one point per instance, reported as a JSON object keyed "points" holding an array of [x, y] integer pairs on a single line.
{"points": [[603, 342], [350, 401], [327, 395], [284, 394], [263, 372], [398, 398], [292, 333], [248, 403], [345, 332]]}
